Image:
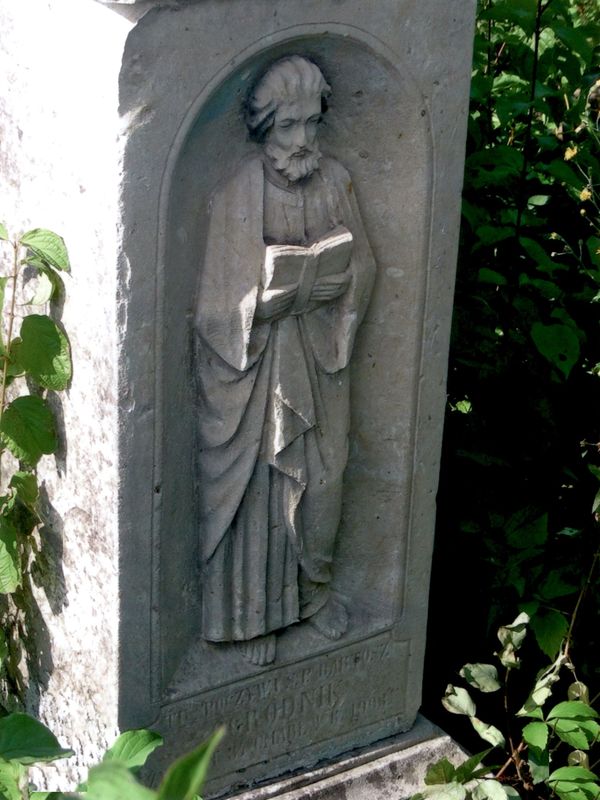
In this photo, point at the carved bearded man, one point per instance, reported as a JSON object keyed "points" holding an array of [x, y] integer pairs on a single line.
{"points": [[273, 405]]}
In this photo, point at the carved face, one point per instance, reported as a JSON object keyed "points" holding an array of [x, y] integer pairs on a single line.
{"points": [[291, 143]]}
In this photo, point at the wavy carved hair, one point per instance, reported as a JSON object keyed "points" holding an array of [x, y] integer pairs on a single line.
{"points": [[286, 78]]}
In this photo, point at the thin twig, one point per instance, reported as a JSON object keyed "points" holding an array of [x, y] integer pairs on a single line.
{"points": [[541, 7], [582, 593], [511, 759]]}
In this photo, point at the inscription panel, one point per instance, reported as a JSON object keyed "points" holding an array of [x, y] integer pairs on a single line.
{"points": [[337, 695]]}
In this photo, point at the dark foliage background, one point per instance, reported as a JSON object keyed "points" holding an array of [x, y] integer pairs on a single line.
{"points": [[518, 501]]}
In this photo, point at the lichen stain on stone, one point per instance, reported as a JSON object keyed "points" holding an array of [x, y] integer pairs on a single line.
{"points": [[377, 781]]}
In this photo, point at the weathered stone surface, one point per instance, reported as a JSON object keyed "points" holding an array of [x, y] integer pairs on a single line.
{"points": [[59, 168], [282, 291], [118, 137], [391, 770], [396, 122]]}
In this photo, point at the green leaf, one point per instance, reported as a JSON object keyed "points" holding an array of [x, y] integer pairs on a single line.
{"points": [[569, 532], [549, 628], [26, 487], [443, 791], [538, 255], [457, 700], [489, 790], [538, 199], [557, 343], [596, 503], [572, 709], [466, 771], [566, 174], [538, 761], [3, 232], [440, 772], [494, 166], [486, 275], [185, 777], [511, 792], [482, 676], [27, 429], [132, 748], [535, 735], [24, 739], [593, 248], [48, 246], [572, 774], [10, 562], [10, 778], [594, 470], [567, 790], [555, 586], [563, 316], [464, 406], [548, 289], [533, 534], [570, 732], [44, 352], [490, 234], [522, 13], [111, 780], [488, 732], [575, 40]]}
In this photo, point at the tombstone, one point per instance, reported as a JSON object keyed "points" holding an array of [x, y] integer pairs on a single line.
{"points": [[271, 193]]}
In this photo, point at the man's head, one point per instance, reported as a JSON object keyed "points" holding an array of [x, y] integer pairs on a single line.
{"points": [[283, 113]]}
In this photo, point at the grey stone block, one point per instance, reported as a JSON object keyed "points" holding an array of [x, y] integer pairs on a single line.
{"points": [[142, 112]]}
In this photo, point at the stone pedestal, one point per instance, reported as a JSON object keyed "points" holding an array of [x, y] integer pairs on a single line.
{"points": [[393, 769], [120, 126]]}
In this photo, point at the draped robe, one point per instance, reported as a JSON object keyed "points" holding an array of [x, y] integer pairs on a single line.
{"points": [[273, 405]]}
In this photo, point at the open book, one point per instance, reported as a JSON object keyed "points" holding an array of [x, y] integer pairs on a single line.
{"points": [[287, 265]]}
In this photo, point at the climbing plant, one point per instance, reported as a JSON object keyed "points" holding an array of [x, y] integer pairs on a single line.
{"points": [[546, 747], [35, 361]]}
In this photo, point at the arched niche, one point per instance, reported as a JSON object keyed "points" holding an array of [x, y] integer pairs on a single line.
{"points": [[377, 126]]}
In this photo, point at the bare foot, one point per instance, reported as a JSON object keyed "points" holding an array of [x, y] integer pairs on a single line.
{"points": [[259, 651], [331, 620]]}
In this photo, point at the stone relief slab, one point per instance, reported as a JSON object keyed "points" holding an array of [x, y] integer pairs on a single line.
{"points": [[286, 430], [286, 280]]}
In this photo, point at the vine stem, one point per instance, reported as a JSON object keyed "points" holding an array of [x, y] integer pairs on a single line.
{"points": [[541, 7], [582, 593], [11, 318], [514, 751], [511, 759]]}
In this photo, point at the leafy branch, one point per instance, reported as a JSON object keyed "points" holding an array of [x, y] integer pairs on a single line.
{"points": [[526, 768], [32, 364], [25, 742]]}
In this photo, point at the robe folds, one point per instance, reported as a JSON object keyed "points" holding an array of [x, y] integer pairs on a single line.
{"points": [[272, 405]]}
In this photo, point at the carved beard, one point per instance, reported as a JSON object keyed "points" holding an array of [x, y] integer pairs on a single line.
{"points": [[294, 167]]}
